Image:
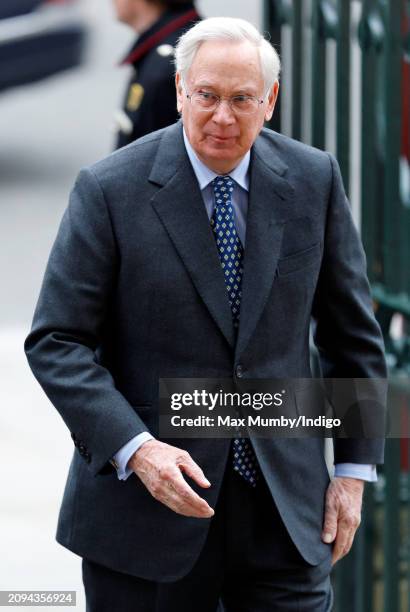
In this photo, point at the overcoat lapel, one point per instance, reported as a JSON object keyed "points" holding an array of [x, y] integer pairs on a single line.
{"points": [[180, 207], [270, 200]]}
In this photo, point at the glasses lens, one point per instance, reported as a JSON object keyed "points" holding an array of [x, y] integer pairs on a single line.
{"points": [[244, 105], [204, 100], [207, 101]]}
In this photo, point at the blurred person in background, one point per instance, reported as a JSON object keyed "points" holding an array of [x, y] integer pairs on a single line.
{"points": [[149, 102]]}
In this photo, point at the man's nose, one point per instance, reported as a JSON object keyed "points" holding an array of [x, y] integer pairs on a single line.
{"points": [[224, 113]]}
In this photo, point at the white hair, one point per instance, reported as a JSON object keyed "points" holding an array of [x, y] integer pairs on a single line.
{"points": [[232, 30]]}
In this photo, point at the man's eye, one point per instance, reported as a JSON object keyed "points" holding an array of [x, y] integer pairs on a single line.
{"points": [[241, 99], [206, 95]]}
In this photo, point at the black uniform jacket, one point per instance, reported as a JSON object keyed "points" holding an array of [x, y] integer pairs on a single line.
{"points": [[150, 99]]}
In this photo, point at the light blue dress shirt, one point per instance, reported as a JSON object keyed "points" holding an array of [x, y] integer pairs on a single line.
{"points": [[240, 175]]}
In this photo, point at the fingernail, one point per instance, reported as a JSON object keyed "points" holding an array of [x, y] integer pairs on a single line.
{"points": [[327, 538], [207, 482]]}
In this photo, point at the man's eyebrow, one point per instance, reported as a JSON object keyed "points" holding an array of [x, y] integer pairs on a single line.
{"points": [[204, 84], [243, 89]]}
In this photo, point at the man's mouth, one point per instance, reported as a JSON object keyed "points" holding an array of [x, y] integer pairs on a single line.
{"points": [[221, 139]]}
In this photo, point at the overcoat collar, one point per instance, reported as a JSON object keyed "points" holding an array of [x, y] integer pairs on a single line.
{"points": [[180, 207]]}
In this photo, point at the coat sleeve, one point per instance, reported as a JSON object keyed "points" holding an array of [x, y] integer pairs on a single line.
{"points": [[346, 333], [66, 332]]}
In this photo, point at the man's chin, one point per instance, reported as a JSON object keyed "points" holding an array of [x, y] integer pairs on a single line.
{"points": [[225, 154]]}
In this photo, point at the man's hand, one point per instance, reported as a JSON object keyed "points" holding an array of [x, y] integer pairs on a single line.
{"points": [[160, 468], [342, 514]]}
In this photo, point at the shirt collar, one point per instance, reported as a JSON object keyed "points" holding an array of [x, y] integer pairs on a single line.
{"points": [[204, 175]]}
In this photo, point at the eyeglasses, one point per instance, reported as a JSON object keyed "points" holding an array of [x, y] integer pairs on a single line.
{"points": [[207, 101]]}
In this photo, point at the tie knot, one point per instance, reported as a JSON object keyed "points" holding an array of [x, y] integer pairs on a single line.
{"points": [[223, 187]]}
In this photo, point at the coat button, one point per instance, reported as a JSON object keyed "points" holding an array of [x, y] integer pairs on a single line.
{"points": [[239, 371]]}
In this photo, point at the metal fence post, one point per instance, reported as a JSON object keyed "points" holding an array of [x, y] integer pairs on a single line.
{"points": [[392, 75], [297, 73], [276, 13], [343, 91], [391, 527], [371, 38]]}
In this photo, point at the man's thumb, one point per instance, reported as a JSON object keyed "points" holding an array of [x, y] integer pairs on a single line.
{"points": [[328, 537]]}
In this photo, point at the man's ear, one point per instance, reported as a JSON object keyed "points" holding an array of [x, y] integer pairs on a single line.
{"points": [[178, 86], [273, 96]]}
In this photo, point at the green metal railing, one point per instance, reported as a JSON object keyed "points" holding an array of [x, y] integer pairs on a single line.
{"points": [[371, 57]]}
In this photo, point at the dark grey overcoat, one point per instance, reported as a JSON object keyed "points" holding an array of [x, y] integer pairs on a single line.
{"points": [[134, 291]]}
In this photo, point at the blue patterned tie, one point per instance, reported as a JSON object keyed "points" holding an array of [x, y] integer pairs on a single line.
{"points": [[231, 255]]}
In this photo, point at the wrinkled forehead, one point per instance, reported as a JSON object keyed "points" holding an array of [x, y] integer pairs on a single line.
{"points": [[220, 61]]}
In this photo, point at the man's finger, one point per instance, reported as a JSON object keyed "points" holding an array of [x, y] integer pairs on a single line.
{"points": [[343, 542], [185, 510], [184, 499], [186, 494], [194, 471], [179, 504], [169, 497]]}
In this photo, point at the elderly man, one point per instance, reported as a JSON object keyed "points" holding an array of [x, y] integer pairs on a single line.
{"points": [[138, 288]]}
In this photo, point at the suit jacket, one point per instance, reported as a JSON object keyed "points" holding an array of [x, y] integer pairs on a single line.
{"points": [[134, 291]]}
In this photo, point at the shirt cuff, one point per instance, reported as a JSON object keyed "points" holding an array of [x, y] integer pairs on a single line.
{"points": [[361, 471], [126, 452]]}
